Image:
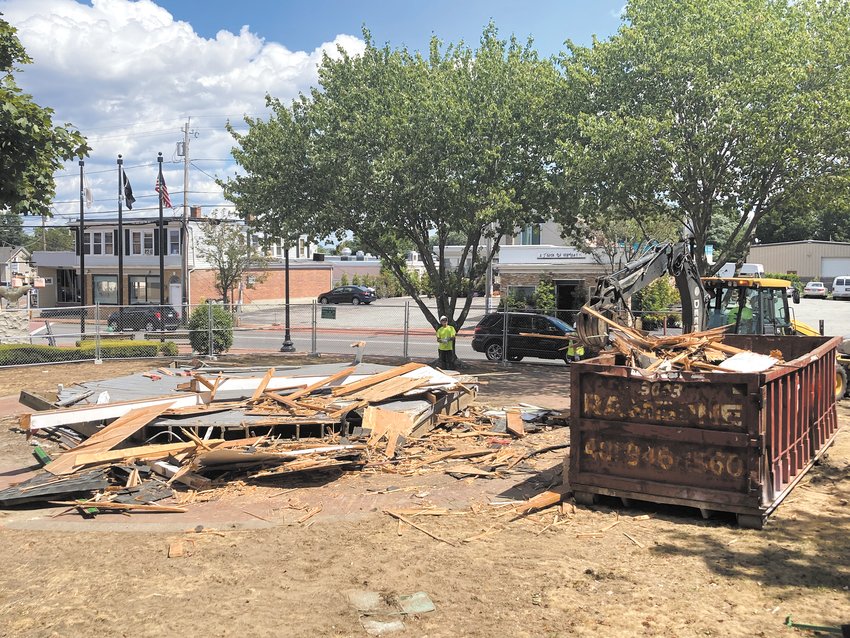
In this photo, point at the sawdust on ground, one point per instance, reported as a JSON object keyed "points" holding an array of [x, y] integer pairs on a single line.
{"points": [[653, 571]]}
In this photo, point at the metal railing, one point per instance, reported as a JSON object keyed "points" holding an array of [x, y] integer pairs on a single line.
{"points": [[389, 327]]}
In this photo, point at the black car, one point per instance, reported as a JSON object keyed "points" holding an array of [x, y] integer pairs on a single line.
{"points": [[546, 342], [348, 294], [145, 318]]}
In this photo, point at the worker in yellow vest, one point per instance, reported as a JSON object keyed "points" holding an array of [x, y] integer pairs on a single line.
{"points": [[446, 343]]}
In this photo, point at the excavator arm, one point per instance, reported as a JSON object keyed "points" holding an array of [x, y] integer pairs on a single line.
{"points": [[613, 291]]}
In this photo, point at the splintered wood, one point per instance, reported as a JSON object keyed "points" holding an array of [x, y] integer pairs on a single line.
{"points": [[695, 351]]}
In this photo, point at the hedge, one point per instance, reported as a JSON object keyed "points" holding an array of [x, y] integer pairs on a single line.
{"points": [[24, 353]]}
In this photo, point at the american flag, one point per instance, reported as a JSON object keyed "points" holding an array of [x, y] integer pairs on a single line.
{"points": [[162, 189]]}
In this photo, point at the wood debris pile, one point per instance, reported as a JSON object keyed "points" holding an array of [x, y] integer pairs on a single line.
{"points": [[229, 429], [695, 351]]}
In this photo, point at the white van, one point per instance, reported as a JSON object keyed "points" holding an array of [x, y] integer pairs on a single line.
{"points": [[841, 287], [747, 270]]}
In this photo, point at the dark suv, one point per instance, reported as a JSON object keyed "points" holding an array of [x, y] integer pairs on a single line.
{"points": [[545, 342], [348, 294], [145, 318]]}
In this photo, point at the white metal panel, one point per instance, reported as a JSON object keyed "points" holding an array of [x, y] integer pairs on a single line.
{"points": [[834, 266]]}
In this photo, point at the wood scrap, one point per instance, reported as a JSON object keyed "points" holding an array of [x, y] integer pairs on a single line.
{"points": [[107, 438], [107, 505], [350, 388], [515, 425], [420, 528]]}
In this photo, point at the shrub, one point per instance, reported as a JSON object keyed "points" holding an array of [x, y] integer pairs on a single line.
{"points": [[24, 353], [199, 329], [118, 349], [544, 296], [512, 302], [658, 296], [343, 281], [168, 348]]}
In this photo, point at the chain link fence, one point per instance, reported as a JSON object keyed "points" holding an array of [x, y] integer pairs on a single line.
{"points": [[388, 327]]}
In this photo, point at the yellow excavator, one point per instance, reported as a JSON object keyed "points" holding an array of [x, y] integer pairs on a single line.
{"points": [[748, 305]]}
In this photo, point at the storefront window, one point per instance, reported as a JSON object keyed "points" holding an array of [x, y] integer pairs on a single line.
{"points": [[105, 288], [144, 290]]}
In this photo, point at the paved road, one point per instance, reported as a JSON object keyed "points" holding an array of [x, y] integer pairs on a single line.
{"points": [[835, 315]]}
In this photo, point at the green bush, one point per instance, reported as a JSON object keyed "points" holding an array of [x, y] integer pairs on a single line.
{"points": [[199, 329], [169, 349], [21, 353], [24, 353], [658, 296], [544, 296], [512, 302]]}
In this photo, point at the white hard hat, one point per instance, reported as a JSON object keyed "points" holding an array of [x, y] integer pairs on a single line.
{"points": [[444, 318]]}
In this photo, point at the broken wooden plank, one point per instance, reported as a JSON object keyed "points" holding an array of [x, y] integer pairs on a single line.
{"points": [[515, 425], [258, 392], [107, 438], [109, 505], [419, 527], [149, 452], [345, 372], [374, 379]]}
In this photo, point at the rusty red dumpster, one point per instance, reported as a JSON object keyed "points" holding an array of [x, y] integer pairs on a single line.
{"points": [[717, 441]]}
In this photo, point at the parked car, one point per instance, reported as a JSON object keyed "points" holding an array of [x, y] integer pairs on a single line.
{"points": [[815, 289], [145, 318], [545, 344], [841, 287], [348, 294]]}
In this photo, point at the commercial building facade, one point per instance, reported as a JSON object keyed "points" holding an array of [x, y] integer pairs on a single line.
{"points": [[810, 260]]}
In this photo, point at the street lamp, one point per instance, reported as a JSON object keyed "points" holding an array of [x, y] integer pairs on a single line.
{"points": [[287, 346]]}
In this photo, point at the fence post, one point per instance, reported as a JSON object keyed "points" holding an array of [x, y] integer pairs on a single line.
{"points": [[406, 353], [314, 337], [97, 354], [210, 347], [505, 335]]}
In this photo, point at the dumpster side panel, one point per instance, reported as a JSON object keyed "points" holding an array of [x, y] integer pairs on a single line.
{"points": [[723, 441]]}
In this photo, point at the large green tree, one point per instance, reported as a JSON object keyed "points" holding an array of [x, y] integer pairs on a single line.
{"points": [[706, 111], [11, 229], [31, 147], [821, 212], [403, 149]]}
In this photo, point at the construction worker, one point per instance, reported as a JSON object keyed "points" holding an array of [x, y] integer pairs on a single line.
{"points": [[746, 325], [446, 343], [575, 351]]}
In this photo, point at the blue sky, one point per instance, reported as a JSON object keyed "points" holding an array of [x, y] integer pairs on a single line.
{"points": [[305, 25], [131, 73]]}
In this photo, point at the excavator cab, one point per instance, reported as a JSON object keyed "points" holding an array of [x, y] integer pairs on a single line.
{"points": [[749, 305]]}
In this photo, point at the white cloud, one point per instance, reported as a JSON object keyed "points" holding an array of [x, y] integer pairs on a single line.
{"points": [[128, 75]]}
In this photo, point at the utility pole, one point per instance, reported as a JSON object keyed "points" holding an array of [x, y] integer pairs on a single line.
{"points": [[184, 248]]}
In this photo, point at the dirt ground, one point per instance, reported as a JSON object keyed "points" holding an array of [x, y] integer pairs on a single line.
{"points": [[652, 571]]}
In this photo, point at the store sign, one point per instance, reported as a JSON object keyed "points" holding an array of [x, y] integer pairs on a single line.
{"points": [[565, 253]]}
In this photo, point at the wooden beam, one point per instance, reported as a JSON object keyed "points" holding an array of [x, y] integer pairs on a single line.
{"points": [[350, 388], [32, 400], [149, 452], [107, 438], [258, 392], [320, 384]]}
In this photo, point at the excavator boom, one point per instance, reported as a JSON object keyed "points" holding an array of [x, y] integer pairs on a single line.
{"points": [[613, 291]]}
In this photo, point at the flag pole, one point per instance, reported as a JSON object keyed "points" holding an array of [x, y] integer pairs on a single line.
{"points": [[120, 244], [82, 245], [162, 241]]}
